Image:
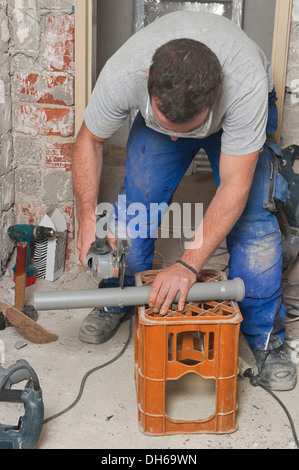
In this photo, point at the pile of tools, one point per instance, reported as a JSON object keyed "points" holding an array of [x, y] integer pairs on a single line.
{"points": [[23, 317]]}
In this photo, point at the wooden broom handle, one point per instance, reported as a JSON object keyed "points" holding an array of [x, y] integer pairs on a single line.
{"points": [[22, 248]]}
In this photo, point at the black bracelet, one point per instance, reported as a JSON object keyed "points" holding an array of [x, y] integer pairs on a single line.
{"points": [[188, 267]]}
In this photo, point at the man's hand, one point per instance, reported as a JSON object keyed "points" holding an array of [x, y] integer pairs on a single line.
{"points": [[112, 240], [167, 284], [86, 172], [85, 237]]}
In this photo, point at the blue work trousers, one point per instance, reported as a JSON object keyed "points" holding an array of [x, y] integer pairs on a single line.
{"points": [[155, 166]]}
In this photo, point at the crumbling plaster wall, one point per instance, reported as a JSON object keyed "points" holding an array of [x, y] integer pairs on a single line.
{"points": [[37, 112], [7, 195], [40, 63], [290, 121]]}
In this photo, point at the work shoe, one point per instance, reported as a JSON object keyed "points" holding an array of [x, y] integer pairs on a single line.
{"points": [[276, 369], [100, 325]]}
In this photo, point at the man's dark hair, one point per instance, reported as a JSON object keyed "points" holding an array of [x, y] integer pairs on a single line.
{"points": [[185, 78]]}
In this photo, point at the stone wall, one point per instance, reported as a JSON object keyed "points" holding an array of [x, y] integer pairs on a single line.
{"points": [[290, 122], [7, 195], [41, 53], [37, 112]]}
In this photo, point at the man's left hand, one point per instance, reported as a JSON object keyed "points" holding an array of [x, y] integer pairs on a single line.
{"points": [[168, 283]]}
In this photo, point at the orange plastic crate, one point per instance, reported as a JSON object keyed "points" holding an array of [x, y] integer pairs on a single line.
{"points": [[202, 340]]}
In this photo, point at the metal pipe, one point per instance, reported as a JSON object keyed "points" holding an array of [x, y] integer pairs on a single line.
{"points": [[116, 297]]}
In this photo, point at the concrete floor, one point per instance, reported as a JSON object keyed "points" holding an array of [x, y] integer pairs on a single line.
{"points": [[106, 415]]}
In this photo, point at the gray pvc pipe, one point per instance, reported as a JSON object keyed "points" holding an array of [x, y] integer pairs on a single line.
{"points": [[116, 297]]}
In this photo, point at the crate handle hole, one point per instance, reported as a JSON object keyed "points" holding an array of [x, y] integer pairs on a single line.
{"points": [[190, 398]]}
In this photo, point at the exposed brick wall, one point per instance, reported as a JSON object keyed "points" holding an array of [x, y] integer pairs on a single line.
{"points": [[42, 71], [37, 112], [7, 192]]}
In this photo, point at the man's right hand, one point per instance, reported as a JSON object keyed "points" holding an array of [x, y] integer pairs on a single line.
{"points": [[85, 237], [112, 241], [86, 170]]}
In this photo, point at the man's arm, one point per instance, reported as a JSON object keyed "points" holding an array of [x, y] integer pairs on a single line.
{"points": [[87, 169], [236, 175]]}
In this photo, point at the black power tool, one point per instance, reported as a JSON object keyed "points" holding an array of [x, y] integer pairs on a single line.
{"points": [[30, 234], [290, 229], [27, 432]]}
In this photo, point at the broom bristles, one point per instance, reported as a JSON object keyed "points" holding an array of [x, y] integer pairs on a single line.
{"points": [[27, 327]]}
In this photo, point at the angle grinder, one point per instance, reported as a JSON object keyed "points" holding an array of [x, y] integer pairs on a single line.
{"points": [[102, 261]]}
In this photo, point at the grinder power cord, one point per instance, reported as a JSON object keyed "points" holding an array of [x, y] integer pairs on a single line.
{"points": [[245, 372]]}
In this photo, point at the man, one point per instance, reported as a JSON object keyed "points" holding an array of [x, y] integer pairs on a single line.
{"points": [[198, 82]]}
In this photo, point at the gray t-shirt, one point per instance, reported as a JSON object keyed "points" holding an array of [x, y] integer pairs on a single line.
{"points": [[242, 108]]}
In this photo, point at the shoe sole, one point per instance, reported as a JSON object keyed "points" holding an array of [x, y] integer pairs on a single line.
{"points": [[280, 386], [98, 339], [101, 339]]}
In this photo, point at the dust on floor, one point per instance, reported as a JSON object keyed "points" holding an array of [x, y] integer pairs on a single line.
{"points": [[105, 417]]}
